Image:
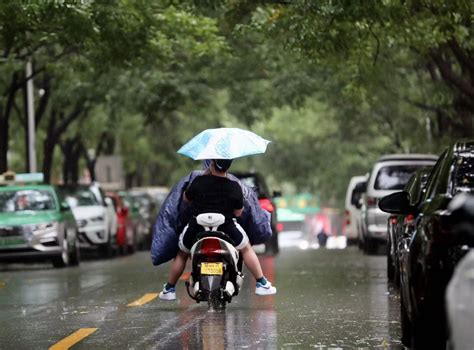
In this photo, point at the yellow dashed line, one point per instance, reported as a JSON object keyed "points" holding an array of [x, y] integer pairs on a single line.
{"points": [[72, 339], [144, 299]]}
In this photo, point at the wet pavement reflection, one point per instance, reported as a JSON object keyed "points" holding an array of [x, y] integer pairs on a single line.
{"points": [[326, 299]]}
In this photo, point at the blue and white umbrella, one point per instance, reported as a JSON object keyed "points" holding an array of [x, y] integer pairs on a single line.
{"points": [[224, 143]]}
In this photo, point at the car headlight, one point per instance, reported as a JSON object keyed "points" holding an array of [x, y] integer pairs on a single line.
{"points": [[97, 219], [81, 223], [43, 227]]}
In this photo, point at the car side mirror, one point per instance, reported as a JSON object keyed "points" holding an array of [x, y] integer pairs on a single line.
{"points": [[397, 203], [109, 202], [276, 194]]}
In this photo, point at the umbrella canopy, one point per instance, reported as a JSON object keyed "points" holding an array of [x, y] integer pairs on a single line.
{"points": [[224, 143]]}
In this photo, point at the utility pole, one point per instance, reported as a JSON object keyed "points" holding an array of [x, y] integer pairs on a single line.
{"points": [[30, 104]]}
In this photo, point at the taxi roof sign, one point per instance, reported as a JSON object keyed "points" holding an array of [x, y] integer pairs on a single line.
{"points": [[10, 178]]}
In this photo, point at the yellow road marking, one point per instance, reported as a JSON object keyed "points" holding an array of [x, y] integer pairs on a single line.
{"points": [[72, 339], [144, 299], [2, 284]]}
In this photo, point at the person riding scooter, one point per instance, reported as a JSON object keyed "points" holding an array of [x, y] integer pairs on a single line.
{"points": [[214, 192]]}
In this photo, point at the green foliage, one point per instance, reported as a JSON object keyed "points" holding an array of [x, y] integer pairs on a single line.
{"points": [[333, 84]]}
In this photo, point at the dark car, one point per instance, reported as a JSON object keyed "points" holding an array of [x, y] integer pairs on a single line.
{"points": [[400, 227], [265, 198], [428, 259], [139, 204]]}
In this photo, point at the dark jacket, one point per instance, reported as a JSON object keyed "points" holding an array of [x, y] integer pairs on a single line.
{"points": [[175, 214]]}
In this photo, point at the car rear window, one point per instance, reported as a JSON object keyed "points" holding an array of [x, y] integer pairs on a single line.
{"points": [[26, 200], [395, 177], [357, 192], [463, 173]]}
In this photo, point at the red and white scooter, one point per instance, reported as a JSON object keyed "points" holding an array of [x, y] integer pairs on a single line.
{"points": [[216, 274]]}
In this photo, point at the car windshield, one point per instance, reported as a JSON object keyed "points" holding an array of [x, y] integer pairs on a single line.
{"points": [[26, 200], [395, 177], [463, 175], [81, 197]]}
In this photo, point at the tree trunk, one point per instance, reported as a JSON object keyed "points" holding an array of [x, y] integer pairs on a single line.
{"points": [[25, 126], [72, 151], [48, 153], [5, 123], [48, 147], [4, 128], [105, 143], [56, 128], [91, 167]]}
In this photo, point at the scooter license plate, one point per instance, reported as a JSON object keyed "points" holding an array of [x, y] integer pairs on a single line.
{"points": [[212, 268]]}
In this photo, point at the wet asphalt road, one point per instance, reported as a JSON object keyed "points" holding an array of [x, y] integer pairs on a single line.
{"points": [[326, 299]]}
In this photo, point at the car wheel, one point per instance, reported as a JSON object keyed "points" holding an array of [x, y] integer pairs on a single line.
{"points": [[428, 328], [74, 257], [63, 259], [107, 249]]}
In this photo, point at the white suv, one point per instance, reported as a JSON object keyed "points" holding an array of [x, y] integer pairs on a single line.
{"points": [[389, 174], [356, 188], [95, 216]]}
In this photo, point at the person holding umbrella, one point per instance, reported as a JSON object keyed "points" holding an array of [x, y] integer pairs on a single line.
{"points": [[215, 192]]}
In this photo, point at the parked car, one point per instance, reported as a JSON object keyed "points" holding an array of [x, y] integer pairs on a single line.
{"points": [[428, 259], [266, 200], [357, 186], [157, 194], [95, 217], [460, 291], [400, 227], [389, 174], [35, 225], [146, 213], [124, 236], [109, 207], [139, 205]]}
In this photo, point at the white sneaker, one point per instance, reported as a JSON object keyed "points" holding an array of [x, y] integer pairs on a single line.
{"points": [[265, 289], [168, 294]]}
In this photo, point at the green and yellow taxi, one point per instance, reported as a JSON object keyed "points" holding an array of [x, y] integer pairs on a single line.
{"points": [[36, 225]]}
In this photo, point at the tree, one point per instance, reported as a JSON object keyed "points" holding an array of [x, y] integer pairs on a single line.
{"points": [[81, 50], [430, 40]]}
